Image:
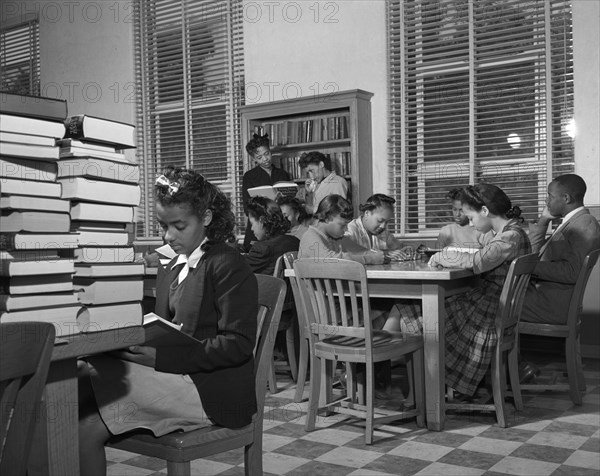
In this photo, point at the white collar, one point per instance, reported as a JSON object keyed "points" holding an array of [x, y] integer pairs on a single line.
{"points": [[193, 259], [569, 215]]}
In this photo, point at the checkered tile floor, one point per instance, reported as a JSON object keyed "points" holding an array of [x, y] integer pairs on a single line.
{"points": [[550, 437]]}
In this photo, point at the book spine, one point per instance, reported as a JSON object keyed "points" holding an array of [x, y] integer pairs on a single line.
{"points": [[74, 127]]}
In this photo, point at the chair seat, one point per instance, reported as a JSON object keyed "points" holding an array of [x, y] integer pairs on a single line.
{"points": [[550, 330], [383, 347]]}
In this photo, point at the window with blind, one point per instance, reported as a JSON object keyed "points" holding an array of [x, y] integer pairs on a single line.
{"points": [[480, 90], [20, 56], [189, 65]]}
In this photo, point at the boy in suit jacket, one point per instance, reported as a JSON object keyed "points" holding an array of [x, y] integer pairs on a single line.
{"points": [[562, 254]]}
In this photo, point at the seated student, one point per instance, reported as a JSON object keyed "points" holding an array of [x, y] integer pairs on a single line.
{"points": [[322, 181], [325, 238], [209, 289], [470, 332], [265, 173], [270, 228], [458, 234], [561, 256], [293, 209], [370, 228]]}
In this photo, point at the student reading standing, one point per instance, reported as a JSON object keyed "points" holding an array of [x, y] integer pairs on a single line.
{"points": [[265, 173], [470, 332], [211, 291], [322, 179]]}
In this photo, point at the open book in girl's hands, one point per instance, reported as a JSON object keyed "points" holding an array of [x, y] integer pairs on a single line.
{"points": [[163, 333], [287, 189]]}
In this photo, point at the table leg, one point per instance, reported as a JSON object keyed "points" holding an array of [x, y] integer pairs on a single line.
{"points": [[433, 334], [56, 445]]}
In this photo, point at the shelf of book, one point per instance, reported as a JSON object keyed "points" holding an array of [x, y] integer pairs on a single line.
{"points": [[338, 125]]}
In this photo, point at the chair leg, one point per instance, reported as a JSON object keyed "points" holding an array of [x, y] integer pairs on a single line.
{"points": [[253, 455], [302, 370], [315, 394], [417, 384], [291, 352], [580, 377], [370, 403], [513, 373], [272, 378], [178, 469], [572, 370], [498, 387]]}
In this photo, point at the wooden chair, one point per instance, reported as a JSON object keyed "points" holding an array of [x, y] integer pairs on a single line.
{"points": [[289, 327], [25, 352], [178, 448], [506, 351], [569, 332], [337, 332], [304, 354]]}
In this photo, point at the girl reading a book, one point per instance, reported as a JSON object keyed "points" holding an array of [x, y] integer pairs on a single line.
{"points": [[295, 212], [270, 228], [265, 173], [470, 325], [210, 290]]}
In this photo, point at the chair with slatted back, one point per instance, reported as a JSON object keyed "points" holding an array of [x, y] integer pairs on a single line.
{"points": [[25, 352], [335, 297], [180, 448], [569, 332], [304, 354], [506, 351], [288, 325]]}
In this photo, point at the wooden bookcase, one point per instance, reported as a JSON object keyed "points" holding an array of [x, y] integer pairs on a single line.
{"points": [[336, 124]]}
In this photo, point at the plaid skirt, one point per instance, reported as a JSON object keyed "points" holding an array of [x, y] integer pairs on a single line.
{"points": [[470, 336]]}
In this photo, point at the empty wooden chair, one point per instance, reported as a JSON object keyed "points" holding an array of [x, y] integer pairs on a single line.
{"points": [[180, 448], [335, 297], [25, 352], [569, 332], [506, 352]]}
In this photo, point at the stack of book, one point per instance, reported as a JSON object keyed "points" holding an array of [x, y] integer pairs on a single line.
{"points": [[36, 268], [102, 186]]}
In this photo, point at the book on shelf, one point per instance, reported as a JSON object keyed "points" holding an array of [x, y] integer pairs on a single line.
{"points": [[109, 290], [32, 221], [103, 270], [81, 189], [38, 241], [27, 169], [15, 186], [88, 211], [78, 153], [9, 268], [29, 255], [30, 139], [18, 302], [36, 152], [103, 238], [98, 168], [287, 189], [42, 127], [25, 202], [113, 316], [163, 333], [91, 254], [96, 129], [75, 144], [96, 226], [33, 106], [64, 318], [48, 283]]}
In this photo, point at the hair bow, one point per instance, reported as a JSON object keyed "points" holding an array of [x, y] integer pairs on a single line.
{"points": [[165, 182]]}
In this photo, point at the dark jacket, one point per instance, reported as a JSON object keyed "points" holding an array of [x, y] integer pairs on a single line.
{"points": [[263, 254], [219, 308]]}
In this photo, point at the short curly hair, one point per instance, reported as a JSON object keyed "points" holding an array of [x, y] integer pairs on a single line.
{"points": [[186, 187], [332, 206], [295, 205], [267, 211], [376, 201], [256, 142]]}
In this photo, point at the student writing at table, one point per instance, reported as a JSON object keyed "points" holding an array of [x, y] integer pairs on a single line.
{"points": [[470, 333], [458, 234], [211, 291], [295, 212]]}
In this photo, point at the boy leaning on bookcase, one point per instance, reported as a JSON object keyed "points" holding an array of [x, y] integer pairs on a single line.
{"points": [[68, 197]]}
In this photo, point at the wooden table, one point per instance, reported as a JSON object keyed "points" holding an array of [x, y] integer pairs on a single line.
{"points": [[416, 280], [56, 445]]}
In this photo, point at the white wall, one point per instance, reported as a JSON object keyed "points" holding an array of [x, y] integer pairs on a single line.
{"points": [[306, 47]]}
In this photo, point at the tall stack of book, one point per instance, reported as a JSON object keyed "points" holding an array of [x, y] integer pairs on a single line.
{"points": [[102, 186], [36, 267]]}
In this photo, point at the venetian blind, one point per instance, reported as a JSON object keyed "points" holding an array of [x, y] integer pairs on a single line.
{"points": [[479, 91], [189, 65], [20, 56]]}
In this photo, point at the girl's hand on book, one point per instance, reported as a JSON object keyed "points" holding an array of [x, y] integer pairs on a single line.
{"points": [[140, 354]]}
